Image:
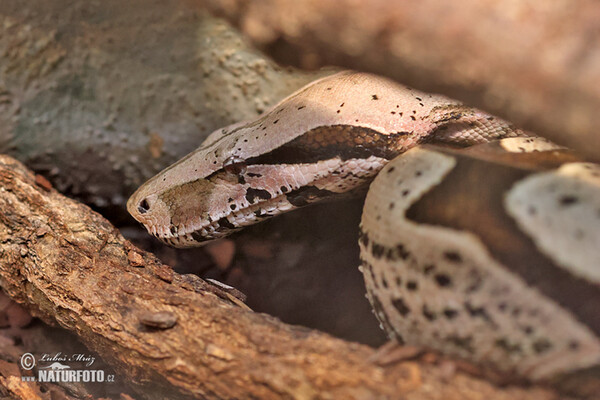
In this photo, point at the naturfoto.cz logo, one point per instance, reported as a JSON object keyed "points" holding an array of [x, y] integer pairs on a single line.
{"points": [[59, 371]]}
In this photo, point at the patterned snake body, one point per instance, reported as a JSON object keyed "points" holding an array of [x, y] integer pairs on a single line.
{"points": [[430, 285], [328, 138]]}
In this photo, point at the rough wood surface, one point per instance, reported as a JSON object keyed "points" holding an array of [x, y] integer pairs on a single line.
{"points": [[175, 336], [536, 63], [21, 334]]}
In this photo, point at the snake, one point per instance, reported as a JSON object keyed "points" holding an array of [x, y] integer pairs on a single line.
{"points": [[437, 282]]}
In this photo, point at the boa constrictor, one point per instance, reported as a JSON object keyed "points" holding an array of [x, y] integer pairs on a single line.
{"points": [[430, 285]]}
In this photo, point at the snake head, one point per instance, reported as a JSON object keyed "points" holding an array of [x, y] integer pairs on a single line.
{"points": [[328, 138]]}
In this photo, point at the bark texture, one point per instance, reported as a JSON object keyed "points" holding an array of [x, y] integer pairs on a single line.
{"points": [[536, 63], [176, 336], [99, 97]]}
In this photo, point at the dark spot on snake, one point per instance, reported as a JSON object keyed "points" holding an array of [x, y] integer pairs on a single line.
{"points": [[369, 268], [418, 98], [306, 195], [400, 113], [412, 285], [502, 306], [252, 194], [507, 346], [384, 282], [229, 200], [428, 314], [405, 192], [477, 312], [443, 280], [413, 118], [528, 330], [241, 179], [568, 200], [197, 236], [328, 88], [402, 252], [541, 346], [453, 256], [224, 222], [462, 342], [283, 189], [374, 97], [450, 313], [401, 306], [377, 250], [573, 345], [476, 284], [254, 175], [276, 121], [390, 170], [342, 105], [428, 269], [173, 230], [398, 281], [393, 112], [233, 206], [391, 206], [338, 111], [301, 107], [390, 254], [418, 173], [490, 118]]}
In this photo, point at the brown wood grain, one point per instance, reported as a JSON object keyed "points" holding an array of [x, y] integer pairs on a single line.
{"points": [[71, 268]]}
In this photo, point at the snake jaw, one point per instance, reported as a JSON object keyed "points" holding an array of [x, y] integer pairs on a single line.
{"points": [[206, 209]]}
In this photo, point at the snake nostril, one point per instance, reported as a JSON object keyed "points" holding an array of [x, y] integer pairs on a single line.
{"points": [[143, 207]]}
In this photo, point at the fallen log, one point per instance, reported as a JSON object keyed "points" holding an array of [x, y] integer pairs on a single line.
{"points": [[177, 336]]}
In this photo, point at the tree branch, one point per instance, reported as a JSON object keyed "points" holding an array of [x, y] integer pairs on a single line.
{"points": [[176, 336]]}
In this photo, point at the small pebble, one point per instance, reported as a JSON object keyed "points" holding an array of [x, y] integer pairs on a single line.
{"points": [[159, 319]]}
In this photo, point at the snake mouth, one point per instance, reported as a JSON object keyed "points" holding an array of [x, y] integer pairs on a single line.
{"points": [[250, 215]]}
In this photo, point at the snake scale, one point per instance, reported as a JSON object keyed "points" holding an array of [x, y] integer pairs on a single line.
{"points": [[430, 285]]}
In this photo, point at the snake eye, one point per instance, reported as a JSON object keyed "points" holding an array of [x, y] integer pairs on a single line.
{"points": [[144, 206], [234, 165]]}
